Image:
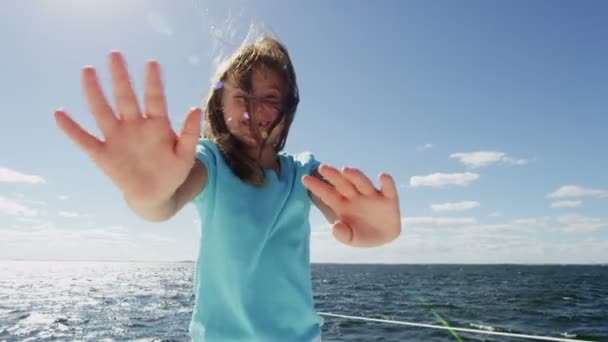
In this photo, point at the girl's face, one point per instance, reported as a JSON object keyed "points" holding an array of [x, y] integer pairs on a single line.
{"points": [[262, 107]]}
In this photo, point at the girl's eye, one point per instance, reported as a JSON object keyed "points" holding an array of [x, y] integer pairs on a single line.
{"points": [[273, 101]]}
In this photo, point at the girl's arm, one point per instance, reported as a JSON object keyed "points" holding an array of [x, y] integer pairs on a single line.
{"points": [[328, 212], [192, 186]]}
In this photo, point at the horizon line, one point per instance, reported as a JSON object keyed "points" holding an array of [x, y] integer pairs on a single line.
{"points": [[333, 263]]}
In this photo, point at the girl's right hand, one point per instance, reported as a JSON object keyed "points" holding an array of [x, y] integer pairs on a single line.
{"points": [[141, 153]]}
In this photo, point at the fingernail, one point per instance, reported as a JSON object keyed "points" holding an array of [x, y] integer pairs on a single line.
{"points": [[114, 54]]}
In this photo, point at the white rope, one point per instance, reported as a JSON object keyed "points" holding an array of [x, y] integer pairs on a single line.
{"points": [[421, 325]]}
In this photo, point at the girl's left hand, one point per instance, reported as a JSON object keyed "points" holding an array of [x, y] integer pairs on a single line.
{"points": [[365, 216]]}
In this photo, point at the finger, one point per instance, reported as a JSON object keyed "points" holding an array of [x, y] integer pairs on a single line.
{"points": [[387, 186], [190, 134], [343, 233], [126, 101], [359, 180], [276, 132], [98, 105], [87, 142], [356, 237], [335, 177], [155, 103], [324, 191]]}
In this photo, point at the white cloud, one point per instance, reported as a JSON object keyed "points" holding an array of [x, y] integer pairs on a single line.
{"points": [[29, 220], [12, 176], [566, 204], [456, 206], [533, 224], [424, 147], [68, 214], [36, 202], [101, 234], [62, 197], [424, 222], [495, 214], [525, 221], [156, 237], [581, 224], [512, 161], [9, 207], [471, 242], [577, 191], [438, 180], [48, 242], [479, 158], [49, 233], [484, 158], [425, 239]]}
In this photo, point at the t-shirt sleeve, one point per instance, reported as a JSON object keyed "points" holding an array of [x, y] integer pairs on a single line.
{"points": [[206, 153], [307, 162]]}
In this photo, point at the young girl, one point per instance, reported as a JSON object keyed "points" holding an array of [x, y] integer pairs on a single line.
{"points": [[252, 276]]}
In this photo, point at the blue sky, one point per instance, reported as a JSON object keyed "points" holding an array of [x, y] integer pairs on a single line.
{"points": [[491, 116]]}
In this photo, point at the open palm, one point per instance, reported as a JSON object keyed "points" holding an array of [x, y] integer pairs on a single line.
{"points": [[140, 152], [366, 216]]}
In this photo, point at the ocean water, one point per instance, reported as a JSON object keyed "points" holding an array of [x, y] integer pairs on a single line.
{"points": [[130, 301]]}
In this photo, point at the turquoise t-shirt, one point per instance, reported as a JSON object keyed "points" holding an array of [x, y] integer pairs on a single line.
{"points": [[252, 278]]}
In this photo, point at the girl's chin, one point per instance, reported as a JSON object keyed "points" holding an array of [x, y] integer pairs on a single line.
{"points": [[253, 144], [248, 140]]}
